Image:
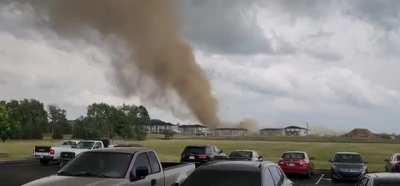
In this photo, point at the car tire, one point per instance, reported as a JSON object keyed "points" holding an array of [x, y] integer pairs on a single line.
{"points": [[44, 162]]}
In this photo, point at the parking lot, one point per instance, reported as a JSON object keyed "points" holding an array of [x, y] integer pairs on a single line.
{"points": [[20, 172]]}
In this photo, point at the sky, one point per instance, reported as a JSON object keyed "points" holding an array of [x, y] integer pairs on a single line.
{"points": [[333, 64]]}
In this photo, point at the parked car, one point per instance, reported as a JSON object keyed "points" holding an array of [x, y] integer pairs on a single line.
{"points": [[238, 173], [85, 145], [134, 166], [347, 166], [250, 155], [45, 154], [393, 163], [296, 162], [380, 179], [201, 154]]}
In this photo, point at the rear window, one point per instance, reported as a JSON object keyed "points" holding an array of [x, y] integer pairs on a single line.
{"points": [[195, 150], [219, 178], [240, 154], [291, 156], [348, 158]]}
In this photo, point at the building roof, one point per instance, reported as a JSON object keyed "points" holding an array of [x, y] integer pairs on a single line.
{"points": [[295, 127], [237, 129], [271, 129], [193, 126], [160, 123]]}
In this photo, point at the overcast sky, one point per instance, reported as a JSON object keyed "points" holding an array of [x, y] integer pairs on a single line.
{"points": [[333, 64]]}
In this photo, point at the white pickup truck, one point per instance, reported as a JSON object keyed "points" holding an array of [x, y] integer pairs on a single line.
{"points": [[82, 146], [47, 153], [122, 166]]}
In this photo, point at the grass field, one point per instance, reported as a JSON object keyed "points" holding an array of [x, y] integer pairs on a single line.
{"points": [[169, 150]]}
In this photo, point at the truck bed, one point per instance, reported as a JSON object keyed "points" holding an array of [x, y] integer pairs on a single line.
{"points": [[176, 172]]}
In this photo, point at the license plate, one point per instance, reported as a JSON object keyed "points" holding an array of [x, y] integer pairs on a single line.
{"points": [[291, 165], [191, 158]]}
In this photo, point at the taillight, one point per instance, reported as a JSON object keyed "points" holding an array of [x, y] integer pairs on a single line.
{"points": [[51, 151], [202, 156]]}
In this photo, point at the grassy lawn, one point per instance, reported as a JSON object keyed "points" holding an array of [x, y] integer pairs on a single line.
{"points": [[169, 150]]}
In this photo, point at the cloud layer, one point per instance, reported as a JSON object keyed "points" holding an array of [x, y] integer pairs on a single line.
{"points": [[333, 64]]}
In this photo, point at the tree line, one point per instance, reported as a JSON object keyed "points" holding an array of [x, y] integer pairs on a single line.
{"points": [[29, 119]]}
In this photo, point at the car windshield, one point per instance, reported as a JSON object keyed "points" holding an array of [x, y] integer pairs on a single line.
{"points": [[293, 156], [240, 154], [219, 178], [195, 150], [98, 164], [84, 145], [348, 158]]}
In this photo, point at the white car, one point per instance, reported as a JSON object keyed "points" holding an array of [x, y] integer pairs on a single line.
{"points": [[47, 153], [83, 146]]}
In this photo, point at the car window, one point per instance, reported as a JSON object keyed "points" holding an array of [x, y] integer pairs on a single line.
{"points": [[348, 158], [293, 156], [276, 175], [195, 150], [397, 158], [155, 166], [141, 161], [98, 164], [97, 145], [267, 178]]}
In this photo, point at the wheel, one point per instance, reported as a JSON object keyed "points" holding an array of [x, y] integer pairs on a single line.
{"points": [[44, 161]]}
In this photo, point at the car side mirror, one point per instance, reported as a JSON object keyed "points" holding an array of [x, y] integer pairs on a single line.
{"points": [[260, 158], [139, 174]]}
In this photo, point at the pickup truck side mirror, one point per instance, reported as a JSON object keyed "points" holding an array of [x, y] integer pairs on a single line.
{"points": [[139, 174], [260, 158]]}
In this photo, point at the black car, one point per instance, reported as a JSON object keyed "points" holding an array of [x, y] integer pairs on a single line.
{"points": [[201, 154], [347, 166], [238, 173], [380, 179]]}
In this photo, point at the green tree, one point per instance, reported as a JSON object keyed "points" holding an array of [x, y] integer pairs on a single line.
{"points": [[143, 119], [58, 121], [30, 118], [84, 128], [7, 127], [101, 114]]}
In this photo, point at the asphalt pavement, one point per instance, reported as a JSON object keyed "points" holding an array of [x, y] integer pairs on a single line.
{"points": [[20, 172]]}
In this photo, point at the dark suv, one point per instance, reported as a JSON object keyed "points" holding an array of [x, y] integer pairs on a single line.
{"points": [[201, 154], [347, 166]]}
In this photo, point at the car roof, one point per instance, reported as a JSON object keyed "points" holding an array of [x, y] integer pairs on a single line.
{"points": [[296, 152], [236, 165], [130, 150], [354, 153], [244, 151], [385, 175]]}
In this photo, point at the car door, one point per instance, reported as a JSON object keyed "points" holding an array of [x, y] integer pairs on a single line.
{"points": [[276, 175], [156, 175], [141, 160]]}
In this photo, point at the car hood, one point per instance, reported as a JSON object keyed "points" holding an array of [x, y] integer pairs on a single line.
{"points": [[76, 181]]}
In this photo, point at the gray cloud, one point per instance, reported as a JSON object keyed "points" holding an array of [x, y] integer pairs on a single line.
{"points": [[224, 26]]}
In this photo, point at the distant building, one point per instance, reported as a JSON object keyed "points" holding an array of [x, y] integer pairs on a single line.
{"points": [[272, 132], [159, 127], [230, 132], [194, 130], [296, 131], [287, 131], [360, 133]]}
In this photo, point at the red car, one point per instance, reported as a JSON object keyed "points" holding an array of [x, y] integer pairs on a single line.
{"points": [[296, 162]]}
